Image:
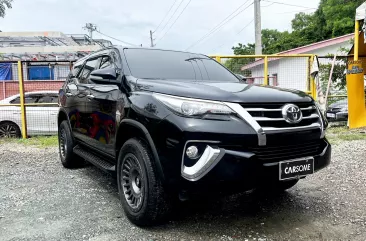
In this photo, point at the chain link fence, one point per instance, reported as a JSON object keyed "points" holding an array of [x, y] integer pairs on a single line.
{"points": [[39, 83], [331, 87], [290, 71]]}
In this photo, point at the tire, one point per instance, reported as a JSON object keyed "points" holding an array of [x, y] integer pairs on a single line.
{"points": [[66, 146], [9, 129], [142, 195]]}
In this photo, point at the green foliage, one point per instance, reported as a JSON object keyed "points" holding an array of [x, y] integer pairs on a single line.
{"points": [[333, 18], [338, 76], [38, 141], [235, 64], [3, 5]]}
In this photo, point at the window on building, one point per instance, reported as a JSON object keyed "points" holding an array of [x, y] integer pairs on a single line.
{"points": [[41, 72]]}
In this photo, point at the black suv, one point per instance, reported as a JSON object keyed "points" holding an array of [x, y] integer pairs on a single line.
{"points": [[175, 124]]}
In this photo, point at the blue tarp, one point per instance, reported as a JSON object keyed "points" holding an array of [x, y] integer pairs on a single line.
{"points": [[40, 73], [5, 71]]}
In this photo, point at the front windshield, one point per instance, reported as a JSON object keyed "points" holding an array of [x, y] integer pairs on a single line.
{"points": [[162, 64]]}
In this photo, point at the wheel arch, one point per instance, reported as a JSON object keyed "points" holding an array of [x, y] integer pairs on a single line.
{"points": [[61, 117], [130, 128]]}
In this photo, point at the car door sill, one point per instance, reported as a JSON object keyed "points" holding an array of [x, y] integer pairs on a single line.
{"points": [[94, 159]]}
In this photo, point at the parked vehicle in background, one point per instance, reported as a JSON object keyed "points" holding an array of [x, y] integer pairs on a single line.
{"points": [[41, 119], [175, 124], [338, 111]]}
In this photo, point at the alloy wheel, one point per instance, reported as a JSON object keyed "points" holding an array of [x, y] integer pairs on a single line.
{"points": [[8, 131], [63, 143], [132, 181]]}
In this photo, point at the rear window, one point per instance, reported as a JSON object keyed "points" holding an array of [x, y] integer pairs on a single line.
{"points": [[161, 64]]}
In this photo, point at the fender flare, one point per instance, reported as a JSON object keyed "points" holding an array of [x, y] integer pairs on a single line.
{"points": [[150, 142]]}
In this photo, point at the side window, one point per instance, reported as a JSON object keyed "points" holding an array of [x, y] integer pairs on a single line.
{"points": [[28, 99], [106, 62], [48, 99], [15, 101], [89, 66]]}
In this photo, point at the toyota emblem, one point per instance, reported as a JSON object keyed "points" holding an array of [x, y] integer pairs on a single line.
{"points": [[291, 113]]}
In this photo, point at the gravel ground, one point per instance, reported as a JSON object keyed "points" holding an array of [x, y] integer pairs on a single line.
{"points": [[40, 200]]}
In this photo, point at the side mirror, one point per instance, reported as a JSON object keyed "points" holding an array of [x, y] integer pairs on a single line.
{"points": [[104, 76]]}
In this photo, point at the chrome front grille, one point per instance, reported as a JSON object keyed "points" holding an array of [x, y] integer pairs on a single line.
{"points": [[269, 117]]}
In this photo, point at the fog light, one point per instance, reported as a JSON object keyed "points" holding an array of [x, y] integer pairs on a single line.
{"points": [[192, 152]]}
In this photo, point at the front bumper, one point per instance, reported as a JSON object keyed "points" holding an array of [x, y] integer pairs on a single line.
{"points": [[223, 164], [336, 116]]}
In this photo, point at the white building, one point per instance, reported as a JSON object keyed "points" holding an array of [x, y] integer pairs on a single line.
{"points": [[293, 73]]}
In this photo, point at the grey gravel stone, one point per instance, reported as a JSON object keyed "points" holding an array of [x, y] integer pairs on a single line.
{"points": [[41, 200]]}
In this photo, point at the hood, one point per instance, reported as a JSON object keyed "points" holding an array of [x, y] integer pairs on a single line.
{"points": [[222, 91], [339, 104]]}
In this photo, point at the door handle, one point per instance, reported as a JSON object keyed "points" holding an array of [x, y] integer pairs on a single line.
{"points": [[53, 113], [16, 113], [90, 97]]}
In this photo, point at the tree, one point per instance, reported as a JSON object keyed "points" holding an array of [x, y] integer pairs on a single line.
{"points": [[3, 5], [333, 18], [235, 64], [301, 21]]}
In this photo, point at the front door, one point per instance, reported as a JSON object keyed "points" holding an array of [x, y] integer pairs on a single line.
{"points": [[101, 106]]}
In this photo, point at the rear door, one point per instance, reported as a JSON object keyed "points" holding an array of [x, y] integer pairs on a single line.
{"points": [[71, 101], [85, 126], [51, 110]]}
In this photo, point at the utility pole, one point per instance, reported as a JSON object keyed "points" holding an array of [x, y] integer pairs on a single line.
{"points": [[151, 39], [91, 28], [258, 28]]}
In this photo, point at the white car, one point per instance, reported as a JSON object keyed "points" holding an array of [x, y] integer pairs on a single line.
{"points": [[41, 120]]}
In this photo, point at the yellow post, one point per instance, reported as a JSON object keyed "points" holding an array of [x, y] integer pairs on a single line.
{"points": [[355, 87], [22, 106], [357, 33], [266, 82], [218, 59], [312, 80]]}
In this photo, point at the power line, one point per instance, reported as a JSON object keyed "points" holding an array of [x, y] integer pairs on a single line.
{"points": [[117, 39], [246, 26], [307, 9], [175, 20], [292, 5], [221, 24], [166, 15], [216, 27], [268, 5], [241, 30], [172, 15]]}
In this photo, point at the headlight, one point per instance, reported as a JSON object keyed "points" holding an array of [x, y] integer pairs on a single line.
{"points": [[193, 107]]}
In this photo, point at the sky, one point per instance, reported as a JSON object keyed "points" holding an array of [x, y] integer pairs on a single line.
{"points": [[131, 21]]}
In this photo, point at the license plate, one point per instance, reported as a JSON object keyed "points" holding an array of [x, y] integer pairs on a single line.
{"points": [[331, 115], [296, 168]]}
